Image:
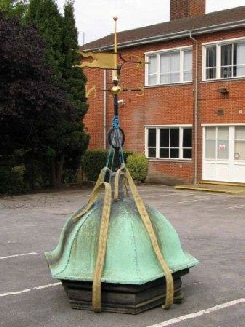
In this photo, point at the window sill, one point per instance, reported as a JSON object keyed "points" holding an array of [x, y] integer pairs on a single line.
{"points": [[222, 79], [239, 162], [168, 85], [170, 160], [225, 161]]}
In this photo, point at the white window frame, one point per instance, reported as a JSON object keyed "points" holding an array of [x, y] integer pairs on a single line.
{"points": [[218, 45], [158, 53], [180, 147]]}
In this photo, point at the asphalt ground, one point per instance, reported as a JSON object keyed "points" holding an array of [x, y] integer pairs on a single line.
{"points": [[210, 226]]}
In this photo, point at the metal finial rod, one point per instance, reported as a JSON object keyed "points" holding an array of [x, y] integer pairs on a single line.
{"points": [[114, 72]]}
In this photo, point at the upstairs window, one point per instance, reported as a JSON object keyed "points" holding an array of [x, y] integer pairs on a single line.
{"points": [[224, 60], [169, 67]]}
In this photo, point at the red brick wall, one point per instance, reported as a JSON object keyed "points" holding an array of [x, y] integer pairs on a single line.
{"points": [[210, 100], [164, 105], [186, 8], [94, 118], [170, 172]]}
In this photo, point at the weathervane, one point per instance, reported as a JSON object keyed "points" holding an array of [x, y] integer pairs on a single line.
{"points": [[109, 61], [116, 136]]}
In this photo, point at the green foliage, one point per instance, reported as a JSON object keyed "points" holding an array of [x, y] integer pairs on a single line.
{"points": [[30, 102], [44, 14], [92, 163], [137, 165], [67, 140], [43, 95], [14, 8], [12, 180], [94, 160], [73, 77]]}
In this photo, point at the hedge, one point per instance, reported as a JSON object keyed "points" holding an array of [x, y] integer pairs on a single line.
{"points": [[94, 160]]}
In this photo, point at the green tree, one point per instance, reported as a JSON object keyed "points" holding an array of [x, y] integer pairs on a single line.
{"points": [[45, 15], [31, 105], [14, 8], [37, 117], [60, 35], [73, 77]]}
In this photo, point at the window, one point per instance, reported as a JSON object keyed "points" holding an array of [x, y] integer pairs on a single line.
{"points": [[169, 67], [224, 60], [169, 142], [217, 143], [211, 62], [223, 143], [239, 145], [152, 71], [152, 142]]}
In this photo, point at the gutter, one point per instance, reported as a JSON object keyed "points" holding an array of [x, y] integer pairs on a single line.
{"points": [[174, 35], [104, 109], [195, 108]]}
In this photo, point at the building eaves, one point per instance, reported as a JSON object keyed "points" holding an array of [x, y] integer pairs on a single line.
{"points": [[179, 28]]}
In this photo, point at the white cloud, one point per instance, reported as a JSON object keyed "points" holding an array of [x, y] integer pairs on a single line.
{"points": [[94, 18]]}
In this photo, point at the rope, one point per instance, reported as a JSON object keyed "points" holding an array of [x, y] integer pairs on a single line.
{"points": [[115, 122], [117, 177], [148, 225], [102, 249], [96, 298], [108, 162], [116, 139], [105, 217], [93, 197]]}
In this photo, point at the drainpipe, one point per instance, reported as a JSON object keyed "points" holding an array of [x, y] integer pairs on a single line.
{"points": [[195, 108], [105, 109]]}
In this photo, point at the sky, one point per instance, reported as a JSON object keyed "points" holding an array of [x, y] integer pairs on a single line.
{"points": [[94, 18]]}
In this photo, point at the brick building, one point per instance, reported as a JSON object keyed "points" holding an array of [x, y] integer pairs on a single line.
{"points": [[185, 109]]}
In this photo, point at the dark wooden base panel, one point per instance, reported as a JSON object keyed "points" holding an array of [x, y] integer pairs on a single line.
{"points": [[122, 298]]}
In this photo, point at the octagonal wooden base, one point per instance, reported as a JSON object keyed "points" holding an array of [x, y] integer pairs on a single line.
{"points": [[123, 298]]}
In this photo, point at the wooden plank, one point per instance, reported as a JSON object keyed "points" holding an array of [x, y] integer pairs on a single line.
{"points": [[123, 298]]}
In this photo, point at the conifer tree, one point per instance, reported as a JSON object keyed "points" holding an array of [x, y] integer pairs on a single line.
{"points": [[73, 77], [45, 15], [60, 35], [14, 8]]}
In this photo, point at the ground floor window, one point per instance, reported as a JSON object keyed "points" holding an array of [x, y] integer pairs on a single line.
{"points": [[217, 143], [169, 142], [223, 142], [224, 153], [239, 143]]}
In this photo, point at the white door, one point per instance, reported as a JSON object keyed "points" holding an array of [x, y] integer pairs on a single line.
{"points": [[224, 153]]}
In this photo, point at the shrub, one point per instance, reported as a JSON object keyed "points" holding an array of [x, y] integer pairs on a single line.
{"points": [[92, 163], [137, 165], [94, 160], [12, 180]]}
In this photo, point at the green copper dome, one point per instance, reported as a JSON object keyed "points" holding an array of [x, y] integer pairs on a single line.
{"points": [[129, 257]]}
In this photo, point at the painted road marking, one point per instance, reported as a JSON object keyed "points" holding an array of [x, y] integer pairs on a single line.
{"points": [[241, 206], [18, 255], [194, 200], [198, 314], [30, 289]]}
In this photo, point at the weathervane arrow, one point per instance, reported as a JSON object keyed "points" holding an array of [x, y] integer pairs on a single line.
{"points": [[98, 60]]}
